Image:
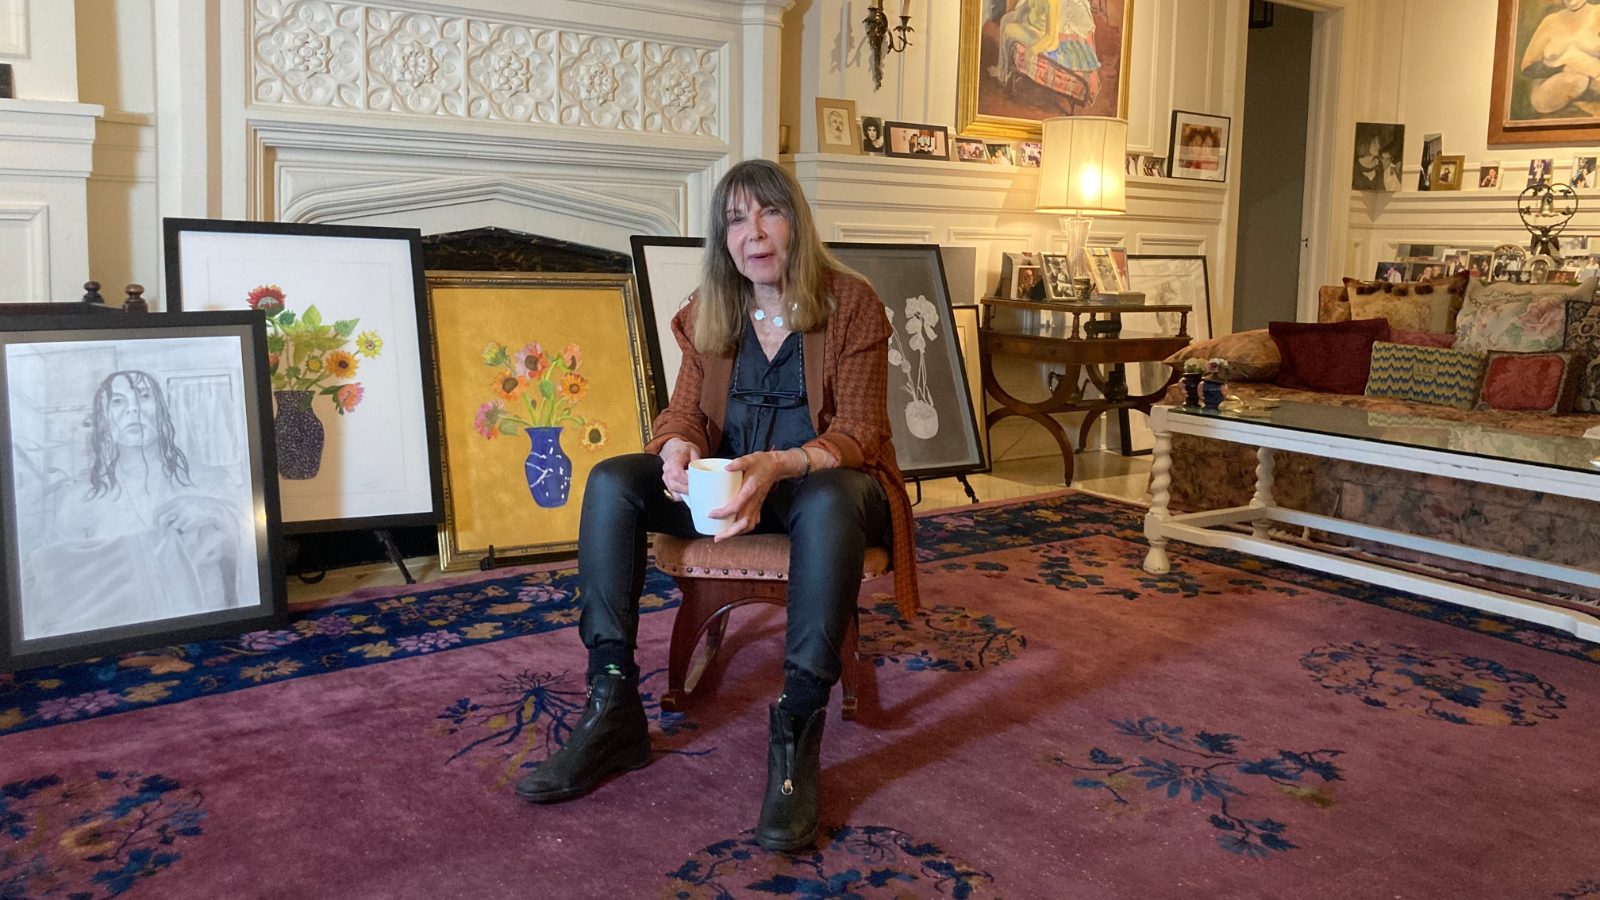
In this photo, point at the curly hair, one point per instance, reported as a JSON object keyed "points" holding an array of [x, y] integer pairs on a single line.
{"points": [[103, 471]]}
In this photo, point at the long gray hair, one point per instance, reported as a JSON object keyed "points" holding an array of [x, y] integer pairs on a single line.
{"points": [[726, 295]]}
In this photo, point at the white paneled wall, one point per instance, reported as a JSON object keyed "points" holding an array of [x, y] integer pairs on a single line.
{"points": [[1428, 64], [46, 138]]}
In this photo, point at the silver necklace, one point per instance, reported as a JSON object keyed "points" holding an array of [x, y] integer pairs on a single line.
{"points": [[761, 314]]}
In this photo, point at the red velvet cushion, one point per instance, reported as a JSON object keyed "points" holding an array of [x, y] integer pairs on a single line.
{"points": [[1531, 381], [1332, 357], [1445, 340]]}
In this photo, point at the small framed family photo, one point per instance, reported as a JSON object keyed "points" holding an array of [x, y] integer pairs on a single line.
{"points": [[911, 141], [1583, 172], [1446, 174], [1489, 176], [1001, 154], [1197, 147], [1058, 277], [971, 150], [1541, 171], [1032, 154], [1155, 167], [1108, 279], [836, 127], [872, 137], [138, 497]]}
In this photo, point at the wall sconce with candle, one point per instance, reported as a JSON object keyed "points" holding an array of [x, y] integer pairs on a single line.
{"points": [[884, 39], [1083, 174]]}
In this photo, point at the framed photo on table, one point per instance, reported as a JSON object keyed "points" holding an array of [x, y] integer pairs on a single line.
{"points": [[541, 376], [1197, 146], [667, 270], [348, 355], [1174, 281], [935, 429], [138, 498], [1057, 277], [1102, 266]]}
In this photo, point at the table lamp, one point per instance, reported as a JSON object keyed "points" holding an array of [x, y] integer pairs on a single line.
{"points": [[1083, 175]]}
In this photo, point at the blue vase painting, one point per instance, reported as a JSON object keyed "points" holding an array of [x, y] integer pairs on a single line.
{"points": [[548, 468]]}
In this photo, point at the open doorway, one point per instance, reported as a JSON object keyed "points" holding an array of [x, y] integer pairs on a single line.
{"points": [[1273, 165]]}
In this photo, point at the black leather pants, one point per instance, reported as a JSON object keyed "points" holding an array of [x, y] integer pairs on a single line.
{"points": [[831, 517]]}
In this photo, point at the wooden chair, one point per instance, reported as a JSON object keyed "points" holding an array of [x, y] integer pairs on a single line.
{"points": [[718, 578]]}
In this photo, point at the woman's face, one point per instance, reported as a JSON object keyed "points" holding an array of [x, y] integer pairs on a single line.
{"points": [[133, 414], [758, 240]]}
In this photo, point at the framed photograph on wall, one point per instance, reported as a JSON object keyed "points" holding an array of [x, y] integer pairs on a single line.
{"points": [[667, 270], [971, 150], [908, 140], [935, 428], [541, 376], [1001, 154], [1013, 72], [1489, 176], [836, 127], [355, 421], [1583, 173], [138, 498], [1197, 146]]}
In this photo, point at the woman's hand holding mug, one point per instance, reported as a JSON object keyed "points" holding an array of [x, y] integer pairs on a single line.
{"points": [[676, 454]]}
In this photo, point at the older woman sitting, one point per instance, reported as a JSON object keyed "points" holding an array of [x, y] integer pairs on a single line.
{"points": [[785, 357]]}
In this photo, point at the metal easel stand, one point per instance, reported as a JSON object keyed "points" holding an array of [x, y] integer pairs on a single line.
{"points": [[965, 485], [387, 540]]}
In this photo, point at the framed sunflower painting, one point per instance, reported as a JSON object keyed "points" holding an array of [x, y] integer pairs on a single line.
{"points": [[540, 376]]}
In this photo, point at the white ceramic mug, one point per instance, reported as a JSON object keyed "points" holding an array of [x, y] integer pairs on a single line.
{"points": [[711, 486]]}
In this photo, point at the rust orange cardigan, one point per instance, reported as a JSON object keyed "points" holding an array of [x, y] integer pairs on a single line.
{"points": [[847, 393]]}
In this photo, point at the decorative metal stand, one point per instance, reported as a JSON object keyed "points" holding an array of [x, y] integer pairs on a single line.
{"points": [[1545, 210]]}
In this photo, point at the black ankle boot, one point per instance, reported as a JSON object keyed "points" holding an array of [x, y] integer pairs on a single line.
{"points": [[611, 735], [794, 768]]}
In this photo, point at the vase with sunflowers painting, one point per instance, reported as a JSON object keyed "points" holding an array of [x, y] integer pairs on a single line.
{"points": [[538, 394], [309, 359]]}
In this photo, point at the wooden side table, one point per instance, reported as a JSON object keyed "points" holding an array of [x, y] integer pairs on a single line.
{"points": [[1066, 345]]}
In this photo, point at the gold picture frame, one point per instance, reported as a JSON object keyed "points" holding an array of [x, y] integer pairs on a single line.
{"points": [[987, 108], [505, 344], [1446, 172], [837, 129]]}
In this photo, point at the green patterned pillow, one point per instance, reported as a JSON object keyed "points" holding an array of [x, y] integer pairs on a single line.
{"points": [[1437, 375]]}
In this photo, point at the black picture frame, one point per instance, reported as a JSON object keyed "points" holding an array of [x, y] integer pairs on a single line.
{"points": [[270, 611], [1175, 144], [659, 308], [880, 264], [888, 140], [173, 230]]}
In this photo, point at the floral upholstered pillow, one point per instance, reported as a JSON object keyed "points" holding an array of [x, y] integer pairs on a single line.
{"points": [[1251, 355], [1497, 292], [1514, 326], [1412, 306]]}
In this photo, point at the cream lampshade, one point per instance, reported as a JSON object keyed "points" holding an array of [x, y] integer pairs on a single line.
{"points": [[1083, 174]]}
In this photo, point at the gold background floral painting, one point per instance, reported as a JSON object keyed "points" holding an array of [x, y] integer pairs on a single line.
{"points": [[518, 356]]}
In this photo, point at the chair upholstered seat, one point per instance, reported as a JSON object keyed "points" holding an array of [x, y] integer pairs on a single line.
{"points": [[717, 578], [759, 556]]}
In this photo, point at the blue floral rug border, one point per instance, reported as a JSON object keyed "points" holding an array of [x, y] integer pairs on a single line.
{"points": [[369, 632]]}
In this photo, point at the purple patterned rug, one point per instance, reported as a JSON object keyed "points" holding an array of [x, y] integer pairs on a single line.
{"points": [[1056, 723]]}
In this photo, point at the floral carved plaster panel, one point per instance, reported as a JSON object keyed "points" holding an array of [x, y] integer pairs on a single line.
{"points": [[313, 53]]}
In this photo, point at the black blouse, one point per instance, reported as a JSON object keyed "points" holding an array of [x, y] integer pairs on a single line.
{"points": [[767, 407]]}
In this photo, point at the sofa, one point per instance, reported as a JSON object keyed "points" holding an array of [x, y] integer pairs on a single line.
{"points": [[1210, 474]]}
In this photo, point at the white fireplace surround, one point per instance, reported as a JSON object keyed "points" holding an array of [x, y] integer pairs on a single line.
{"points": [[577, 122]]}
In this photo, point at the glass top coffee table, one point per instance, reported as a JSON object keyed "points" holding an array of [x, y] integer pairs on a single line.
{"points": [[1560, 465]]}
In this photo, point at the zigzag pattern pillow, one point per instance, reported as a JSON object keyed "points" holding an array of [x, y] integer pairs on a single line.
{"points": [[1436, 375]]}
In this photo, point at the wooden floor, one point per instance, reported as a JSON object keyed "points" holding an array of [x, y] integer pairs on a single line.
{"points": [[1098, 471]]}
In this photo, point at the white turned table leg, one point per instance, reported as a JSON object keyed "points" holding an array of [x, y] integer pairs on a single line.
{"points": [[1263, 498], [1155, 562]]}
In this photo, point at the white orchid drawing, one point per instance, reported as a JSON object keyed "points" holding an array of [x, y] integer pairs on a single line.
{"points": [[922, 318]]}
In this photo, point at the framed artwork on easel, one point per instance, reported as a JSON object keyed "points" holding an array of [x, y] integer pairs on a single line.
{"points": [[355, 421]]}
